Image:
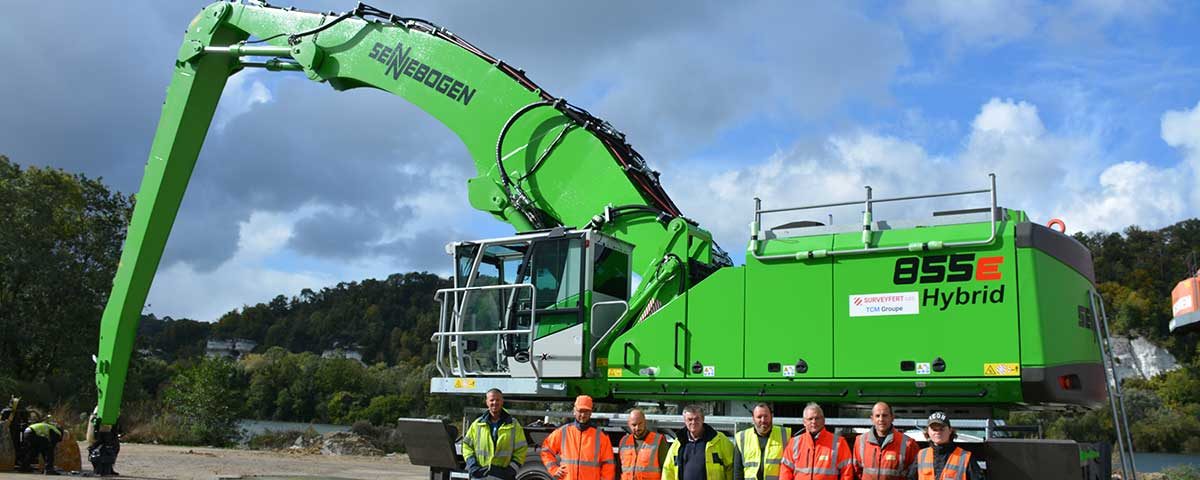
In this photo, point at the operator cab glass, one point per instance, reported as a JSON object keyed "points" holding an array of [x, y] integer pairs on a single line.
{"points": [[533, 305]]}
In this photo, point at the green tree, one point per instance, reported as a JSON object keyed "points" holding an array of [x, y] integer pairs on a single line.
{"points": [[342, 407], [206, 400], [60, 240], [385, 409]]}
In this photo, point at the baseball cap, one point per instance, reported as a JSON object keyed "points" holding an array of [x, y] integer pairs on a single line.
{"points": [[938, 417], [583, 402]]}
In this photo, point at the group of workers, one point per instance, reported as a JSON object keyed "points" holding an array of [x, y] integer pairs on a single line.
{"points": [[31, 440], [495, 447]]}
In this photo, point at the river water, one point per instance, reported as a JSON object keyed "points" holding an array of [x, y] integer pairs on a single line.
{"points": [[255, 427], [1155, 462]]}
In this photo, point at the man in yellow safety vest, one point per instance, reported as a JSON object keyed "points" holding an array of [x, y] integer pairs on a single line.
{"points": [[760, 448]]}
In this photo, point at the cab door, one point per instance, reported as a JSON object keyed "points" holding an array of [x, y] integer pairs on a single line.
{"points": [[555, 268]]}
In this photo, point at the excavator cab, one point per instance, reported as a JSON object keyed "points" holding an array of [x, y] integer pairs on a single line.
{"points": [[529, 307]]}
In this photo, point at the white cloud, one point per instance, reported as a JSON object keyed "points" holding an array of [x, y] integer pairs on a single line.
{"points": [[1042, 172], [1135, 193], [674, 92], [1008, 119], [969, 23], [242, 92], [266, 264], [1181, 129], [180, 290], [985, 24]]}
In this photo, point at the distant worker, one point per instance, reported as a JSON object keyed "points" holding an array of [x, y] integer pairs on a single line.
{"points": [[943, 460], [811, 455], [579, 450], [494, 446], [641, 451], [760, 448], [883, 452], [699, 452], [17, 417], [40, 439]]}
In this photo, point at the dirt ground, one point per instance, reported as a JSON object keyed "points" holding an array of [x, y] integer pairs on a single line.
{"points": [[164, 462]]}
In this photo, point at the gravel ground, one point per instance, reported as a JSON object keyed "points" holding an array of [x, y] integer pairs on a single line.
{"points": [[165, 462]]}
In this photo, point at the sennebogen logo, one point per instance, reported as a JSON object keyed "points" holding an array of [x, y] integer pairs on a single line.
{"points": [[400, 62]]}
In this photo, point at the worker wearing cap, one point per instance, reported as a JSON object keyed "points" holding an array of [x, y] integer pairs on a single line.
{"points": [[883, 452], [815, 453], [579, 450], [760, 448], [494, 446], [699, 451], [641, 451], [943, 460]]}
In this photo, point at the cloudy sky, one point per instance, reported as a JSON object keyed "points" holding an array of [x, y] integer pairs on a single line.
{"points": [[1086, 110]]}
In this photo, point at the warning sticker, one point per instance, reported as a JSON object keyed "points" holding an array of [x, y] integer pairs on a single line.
{"points": [[1001, 369], [709, 371], [789, 370], [467, 383], [879, 304], [615, 372]]}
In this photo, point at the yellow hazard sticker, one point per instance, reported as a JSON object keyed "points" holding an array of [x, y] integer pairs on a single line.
{"points": [[468, 383], [602, 362], [1001, 369], [615, 372]]}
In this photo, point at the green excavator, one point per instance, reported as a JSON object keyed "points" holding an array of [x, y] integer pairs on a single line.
{"points": [[606, 288]]}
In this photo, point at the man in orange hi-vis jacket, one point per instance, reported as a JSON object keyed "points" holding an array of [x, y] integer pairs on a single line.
{"points": [[883, 452], [579, 450], [815, 453]]}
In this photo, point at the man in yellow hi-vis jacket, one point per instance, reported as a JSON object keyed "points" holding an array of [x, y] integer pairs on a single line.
{"points": [[494, 446], [699, 452], [760, 448]]}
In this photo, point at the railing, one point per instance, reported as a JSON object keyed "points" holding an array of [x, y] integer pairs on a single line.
{"points": [[756, 227], [450, 329], [1112, 385]]}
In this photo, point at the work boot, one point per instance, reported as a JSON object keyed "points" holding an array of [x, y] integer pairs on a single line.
{"points": [[50, 472]]}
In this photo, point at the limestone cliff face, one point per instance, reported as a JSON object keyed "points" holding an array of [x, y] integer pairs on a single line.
{"points": [[1139, 358]]}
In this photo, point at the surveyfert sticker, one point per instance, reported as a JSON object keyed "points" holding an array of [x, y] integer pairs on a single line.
{"points": [[879, 304], [1001, 369]]}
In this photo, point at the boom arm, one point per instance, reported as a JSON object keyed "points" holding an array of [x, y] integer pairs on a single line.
{"points": [[540, 161]]}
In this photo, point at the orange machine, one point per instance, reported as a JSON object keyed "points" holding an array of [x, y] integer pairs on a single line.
{"points": [[1185, 305]]}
